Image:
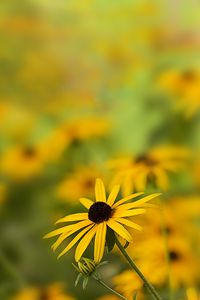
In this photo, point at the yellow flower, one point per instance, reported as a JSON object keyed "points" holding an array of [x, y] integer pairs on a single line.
{"points": [[135, 173], [78, 183], [183, 264], [101, 214], [52, 292], [108, 297], [152, 255], [168, 232], [184, 84], [79, 129], [128, 283], [22, 162]]}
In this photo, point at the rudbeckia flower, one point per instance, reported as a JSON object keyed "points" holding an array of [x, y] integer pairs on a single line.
{"points": [[79, 182], [184, 85], [54, 291], [102, 213], [136, 172]]}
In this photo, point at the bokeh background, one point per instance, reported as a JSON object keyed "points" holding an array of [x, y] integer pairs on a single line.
{"points": [[106, 89]]}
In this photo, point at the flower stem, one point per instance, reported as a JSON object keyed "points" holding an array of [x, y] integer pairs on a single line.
{"points": [[148, 285], [109, 288]]}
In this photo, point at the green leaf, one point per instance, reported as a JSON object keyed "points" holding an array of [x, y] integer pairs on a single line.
{"points": [[110, 239], [77, 279], [85, 282]]}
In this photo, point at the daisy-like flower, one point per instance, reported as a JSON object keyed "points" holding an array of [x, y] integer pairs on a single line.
{"points": [[136, 172], [102, 213], [54, 291]]}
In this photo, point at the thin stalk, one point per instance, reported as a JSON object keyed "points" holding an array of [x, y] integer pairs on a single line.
{"points": [[109, 288], [147, 284]]}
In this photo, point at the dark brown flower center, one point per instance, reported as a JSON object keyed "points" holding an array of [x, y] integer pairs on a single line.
{"points": [[173, 255], [29, 152], [89, 183], [99, 212], [146, 160], [188, 75], [43, 295]]}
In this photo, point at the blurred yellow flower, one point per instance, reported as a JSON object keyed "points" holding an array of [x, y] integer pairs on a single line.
{"points": [[80, 182], [128, 283], [102, 213], [52, 292], [153, 253], [184, 85], [135, 173], [79, 129], [108, 297], [22, 162]]}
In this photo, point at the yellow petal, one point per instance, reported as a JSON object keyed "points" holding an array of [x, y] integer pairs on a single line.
{"points": [[100, 193], [74, 217], [126, 199], [86, 202], [58, 231], [128, 223], [145, 199], [139, 203], [141, 180], [100, 240], [75, 228], [75, 240], [161, 178], [84, 243], [128, 213], [113, 195], [119, 229]]}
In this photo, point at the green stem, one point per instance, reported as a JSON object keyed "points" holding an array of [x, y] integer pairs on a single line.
{"points": [[148, 285], [109, 288]]}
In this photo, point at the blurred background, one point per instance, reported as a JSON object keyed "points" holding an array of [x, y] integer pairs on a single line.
{"points": [[107, 89]]}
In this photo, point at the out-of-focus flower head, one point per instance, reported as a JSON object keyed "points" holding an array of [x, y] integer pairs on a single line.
{"points": [[166, 246], [54, 291], [108, 297], [184, 86], [22, 162], [80, 182], [128, 283], [136, 172], [76, 130]]}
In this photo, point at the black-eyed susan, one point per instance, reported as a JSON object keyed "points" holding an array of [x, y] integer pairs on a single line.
{"points": [[79, 182], [22, 162], [184, 85], [54, 291], [136, 172], [102, 213], [108, 297], [128, 283]]}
